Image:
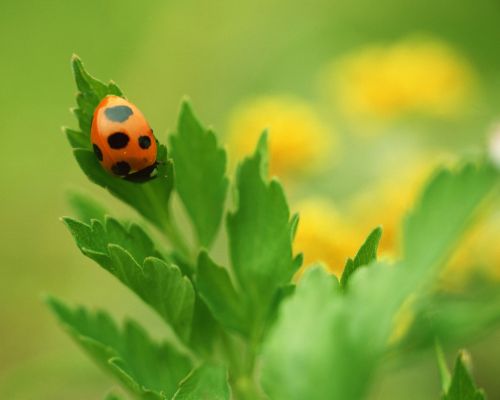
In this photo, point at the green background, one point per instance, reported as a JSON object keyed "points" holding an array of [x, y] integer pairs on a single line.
{"points": [[217, 53]]}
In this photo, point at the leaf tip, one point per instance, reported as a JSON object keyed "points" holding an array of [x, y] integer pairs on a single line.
{"points": [[76, 63], [65, 219], [262, 143], [47, 298], [185, 102], [186, 108]]}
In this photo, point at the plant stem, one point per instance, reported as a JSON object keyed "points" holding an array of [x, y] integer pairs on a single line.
{"points": [[241, 358], [246, 389], [176, 239]]}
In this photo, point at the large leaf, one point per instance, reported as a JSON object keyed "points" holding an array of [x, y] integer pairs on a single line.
{"points": [[207, 382], [149, 370], [331, 345], [448, 204], [200, 167], [260, 234], [149, 199], [158, 282], [443, 212]]}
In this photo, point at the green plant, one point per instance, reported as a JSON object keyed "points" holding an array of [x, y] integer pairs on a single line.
{"points": [[246, 330]]}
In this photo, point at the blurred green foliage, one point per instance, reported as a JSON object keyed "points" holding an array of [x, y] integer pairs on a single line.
{"points": [[218, 54]]}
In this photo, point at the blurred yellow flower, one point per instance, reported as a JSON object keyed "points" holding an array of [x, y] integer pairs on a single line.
{"points": [[298, 140], [389, 200], [324, 236], [410, 76], [475, 253]]}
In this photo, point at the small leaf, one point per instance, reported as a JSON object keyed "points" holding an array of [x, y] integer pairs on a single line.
{"points": [[76, 139], [462, 386], [140, 267], [260, 234], [161, 285], [366, 254], [207, 382], [148, 370], [93, 238], [200, 168], [217, 291], [444, 372], [149, 199]]}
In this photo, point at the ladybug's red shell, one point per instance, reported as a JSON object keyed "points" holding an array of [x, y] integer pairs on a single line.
{"points": [[121, 137]]}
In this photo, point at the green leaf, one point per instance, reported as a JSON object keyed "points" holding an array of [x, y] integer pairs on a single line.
{"points": [[217, 291], [445, 209], [366, 255], [332, 344], [462, 386], [156, 281], [91, 92], [205, 331], [149, 199], [444, 372], [454, 318], [93, 239], [76, 139], [432, 229], [207, 382], [260, 234], [200, 167], [302, 355], [148, 370]]}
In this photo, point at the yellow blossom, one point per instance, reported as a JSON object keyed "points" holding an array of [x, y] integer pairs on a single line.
{"points": [[389, 200], [388, 203], [475, 253], [410, 76], [298, 140], [324, 236]]}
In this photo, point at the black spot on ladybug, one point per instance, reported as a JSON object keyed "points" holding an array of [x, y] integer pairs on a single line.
{"points": [[118, 140], [97, 151], [121, 168], [118, 113], [144, 142]]}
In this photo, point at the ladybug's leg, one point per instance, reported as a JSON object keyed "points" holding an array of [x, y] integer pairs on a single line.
{"points": [[143, 175]]}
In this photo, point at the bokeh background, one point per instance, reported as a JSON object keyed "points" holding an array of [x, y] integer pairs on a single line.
{"points": [[363, 100]]}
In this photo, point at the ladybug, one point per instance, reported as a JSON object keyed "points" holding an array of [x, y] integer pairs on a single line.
{"points": [[123, 141]]}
